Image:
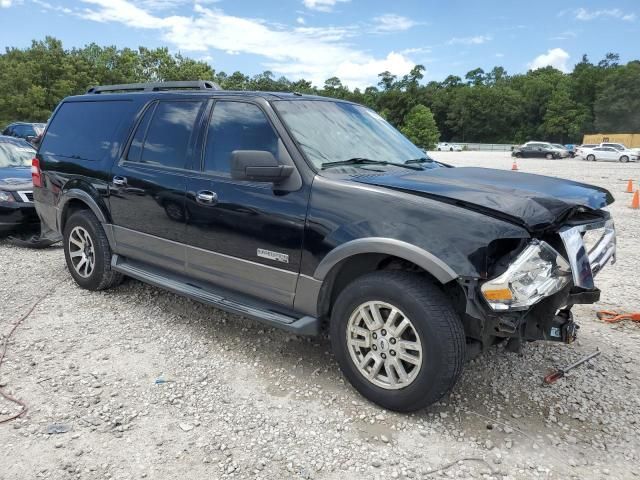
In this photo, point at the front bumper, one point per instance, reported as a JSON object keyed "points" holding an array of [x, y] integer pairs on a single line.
{"points": [[588, 248], [17, 216]]}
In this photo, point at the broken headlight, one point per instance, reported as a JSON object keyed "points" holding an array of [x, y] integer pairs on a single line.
{"points": [[539, 271]]}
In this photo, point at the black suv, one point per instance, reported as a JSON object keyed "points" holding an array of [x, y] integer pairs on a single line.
{"points": [[315, 215]]}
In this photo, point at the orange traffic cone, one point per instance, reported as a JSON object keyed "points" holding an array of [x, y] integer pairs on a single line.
{"points": [[630, 186], [514, 167], [635, 203]]}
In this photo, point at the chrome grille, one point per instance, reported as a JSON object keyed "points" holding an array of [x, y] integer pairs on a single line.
{"points": [[589, 248]]}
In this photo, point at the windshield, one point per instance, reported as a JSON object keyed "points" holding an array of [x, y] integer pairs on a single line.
{"points": [[330, 132], [15, 155]]}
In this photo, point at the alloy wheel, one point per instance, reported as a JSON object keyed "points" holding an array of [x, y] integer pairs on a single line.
{"points": [[81, 252], [384, 345]]}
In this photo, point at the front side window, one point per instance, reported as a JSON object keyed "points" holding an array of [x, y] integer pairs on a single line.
{"points": [[236, 126], [329, 131], [169, 135]]}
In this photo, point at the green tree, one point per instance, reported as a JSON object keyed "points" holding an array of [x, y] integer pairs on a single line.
{"points": [[617, 107], [420, 127]]}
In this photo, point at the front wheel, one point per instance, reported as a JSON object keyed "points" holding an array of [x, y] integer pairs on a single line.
{"points": [[398, 339], [624, 159]]}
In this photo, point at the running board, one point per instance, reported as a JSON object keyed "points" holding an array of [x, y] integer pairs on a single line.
{"points": [[159, 278]]}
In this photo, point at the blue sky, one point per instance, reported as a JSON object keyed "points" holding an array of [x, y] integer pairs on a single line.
{"points": [[352, 39]]}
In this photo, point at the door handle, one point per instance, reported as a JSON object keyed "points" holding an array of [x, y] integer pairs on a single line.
{"points": [[207, 197], [119, 181]]}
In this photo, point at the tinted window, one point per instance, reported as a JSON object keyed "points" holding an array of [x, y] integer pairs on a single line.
{"points": [[236, 126], [86, 130], [135, 149], [170, 134]]}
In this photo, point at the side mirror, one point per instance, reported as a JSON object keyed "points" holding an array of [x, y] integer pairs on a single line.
{"points": [[258, 166]]}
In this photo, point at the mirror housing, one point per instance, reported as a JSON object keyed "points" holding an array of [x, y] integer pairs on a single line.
{"points": [[258, 166]]}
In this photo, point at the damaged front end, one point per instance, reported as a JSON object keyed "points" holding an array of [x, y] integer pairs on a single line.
{"points": [[530, 290]]}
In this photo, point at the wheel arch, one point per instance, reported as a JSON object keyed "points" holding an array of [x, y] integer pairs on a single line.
{"points": [[358, 257], [76, 199]]}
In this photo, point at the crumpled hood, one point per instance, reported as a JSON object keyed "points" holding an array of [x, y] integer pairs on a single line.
{"points": [[533, 201], [15, 178]]}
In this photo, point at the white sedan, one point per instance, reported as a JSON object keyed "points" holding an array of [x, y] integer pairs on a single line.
{"points": [[607, 154], [448, 147]]}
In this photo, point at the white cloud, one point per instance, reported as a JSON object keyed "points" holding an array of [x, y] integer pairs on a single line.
{"points": [[586, 15], [301, 20], [9, 3], [499, 55], [555, 57], [391, 22], [300, 52], [321, 5], [477, 40], [569, 34]]}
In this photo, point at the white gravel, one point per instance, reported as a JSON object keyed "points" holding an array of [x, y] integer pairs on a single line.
{"points": [[243, 401]]}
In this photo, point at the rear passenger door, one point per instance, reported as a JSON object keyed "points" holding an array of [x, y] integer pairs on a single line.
{"points": [[148, 185], [244, 235]]}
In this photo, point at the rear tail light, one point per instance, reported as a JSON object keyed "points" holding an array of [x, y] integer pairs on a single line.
{"points": [[36, 174]]}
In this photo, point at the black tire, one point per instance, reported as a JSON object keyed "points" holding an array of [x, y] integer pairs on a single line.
{"points": [[591, 158], [624, 159], [518, 155], [439, 329], [31, 240], [550, 156], [451, 149], [101, 277]]}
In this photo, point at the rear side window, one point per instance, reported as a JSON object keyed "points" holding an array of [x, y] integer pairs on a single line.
{"points": [[86, 130], [236, 126], [166, 134]]}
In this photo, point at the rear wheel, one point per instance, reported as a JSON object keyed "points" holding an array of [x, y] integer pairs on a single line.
{"points": [[591, 158], [549, 156], [397, 339], [87, 252]]}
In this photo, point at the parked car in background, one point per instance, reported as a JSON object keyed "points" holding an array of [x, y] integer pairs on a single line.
{"points": [[448, 147], [609, 154], [28, 131], [18, 218], [621, 147], [570, 153], [580, 148], [539, 150]]}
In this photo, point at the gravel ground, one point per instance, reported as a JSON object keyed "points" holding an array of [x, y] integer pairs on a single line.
{"points": [[243, 401]]}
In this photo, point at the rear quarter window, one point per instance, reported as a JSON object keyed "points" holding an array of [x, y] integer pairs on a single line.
{"points": [[87, 130]]}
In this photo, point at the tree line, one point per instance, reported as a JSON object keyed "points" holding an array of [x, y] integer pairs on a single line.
{"points": [[489, 107]]}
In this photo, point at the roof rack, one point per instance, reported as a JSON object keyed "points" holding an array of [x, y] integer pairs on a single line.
{"points": [[156, 86]]}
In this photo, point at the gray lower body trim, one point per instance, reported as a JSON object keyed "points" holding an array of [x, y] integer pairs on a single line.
{"points": [[307, 293], [183, 286], [261, 281], [388, 246]]}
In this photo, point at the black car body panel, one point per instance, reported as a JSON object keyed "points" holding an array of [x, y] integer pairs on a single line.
{"points": [[287, 248], [534, 201]]}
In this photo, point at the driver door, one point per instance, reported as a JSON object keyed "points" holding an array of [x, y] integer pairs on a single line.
{"points": [[243, 235]]}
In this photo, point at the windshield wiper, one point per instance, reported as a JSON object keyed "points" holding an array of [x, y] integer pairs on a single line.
{"points": [[420, 160], [366, 161]]}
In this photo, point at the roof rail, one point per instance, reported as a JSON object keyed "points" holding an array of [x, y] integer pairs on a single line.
{"points": [[156, 86]]}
